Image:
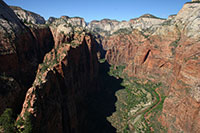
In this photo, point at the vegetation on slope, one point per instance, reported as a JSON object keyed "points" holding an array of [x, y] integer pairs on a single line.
{"points": [[9, 125], [122, 31], [7, 121], [138, 106]]}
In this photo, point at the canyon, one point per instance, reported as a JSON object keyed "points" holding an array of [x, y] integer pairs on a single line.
{"points": [[66, 75]]}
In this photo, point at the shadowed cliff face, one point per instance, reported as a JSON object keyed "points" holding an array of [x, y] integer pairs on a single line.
{"points": [[22, 49], [69, 90], [101, 104], [68, 94]]}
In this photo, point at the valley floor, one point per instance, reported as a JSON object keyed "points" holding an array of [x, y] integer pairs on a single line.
{"points": [[138, 106]]}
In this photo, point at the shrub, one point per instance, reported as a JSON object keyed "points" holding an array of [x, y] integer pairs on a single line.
{"points": [[26, 123], [167, 22], [8, 124], [44, 67], [7, 121], [102, 60], [116, 71], [124, 31], [62, 32], [175, 43]]}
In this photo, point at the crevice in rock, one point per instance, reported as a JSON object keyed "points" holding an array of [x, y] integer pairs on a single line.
{"points": [[161, 65], [146, 56]]}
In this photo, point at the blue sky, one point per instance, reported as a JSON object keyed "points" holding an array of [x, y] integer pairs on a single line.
{"points": [[99, 9]]}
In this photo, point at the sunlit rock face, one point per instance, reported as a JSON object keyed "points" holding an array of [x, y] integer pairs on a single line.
{"points": [[108, 27], [27, 16], [73, 21], [169, 54], [195, 0]]}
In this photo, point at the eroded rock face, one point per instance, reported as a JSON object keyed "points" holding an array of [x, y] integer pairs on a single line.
{"points": [[73, 21], [187, 20], [21, 50], [195, 0], [107, 26], [66, 83], [169, 55], [27, 16], [70, 75], [10, 27]]}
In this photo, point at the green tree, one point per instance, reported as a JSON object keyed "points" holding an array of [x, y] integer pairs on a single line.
{"points": [[24, 125], [7, 121], [28, 123]]}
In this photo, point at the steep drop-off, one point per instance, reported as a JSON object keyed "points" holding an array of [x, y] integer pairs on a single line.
{"points": [[53, 80], [22, 49], [169, 55]]}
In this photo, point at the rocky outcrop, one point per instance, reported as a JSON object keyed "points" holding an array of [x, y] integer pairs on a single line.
{"points": [[195, 0], [122, 48], [103, 27], [21, 50], [27, 16], [64, 58], [187, 20], [107, 26], [68, 73], [73, 21], [146, 21], [169, 55]]}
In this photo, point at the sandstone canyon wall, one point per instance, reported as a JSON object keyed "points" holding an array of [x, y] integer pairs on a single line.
{"points": [[22, 49], [169, 54], [67, 72]]}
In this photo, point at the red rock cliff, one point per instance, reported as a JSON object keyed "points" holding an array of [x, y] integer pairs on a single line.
{"points": [[67, 75], [170, 54], [21, 50]]}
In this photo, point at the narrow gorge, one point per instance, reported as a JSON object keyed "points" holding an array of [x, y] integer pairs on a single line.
{"points": [[64, 75]]}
